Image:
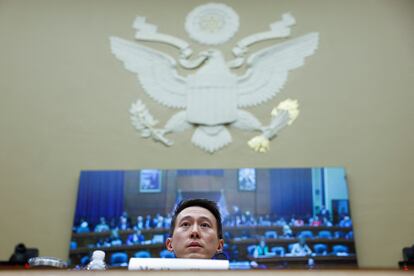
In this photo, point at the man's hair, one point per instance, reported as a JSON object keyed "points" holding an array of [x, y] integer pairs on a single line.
{"points": [[199, 202]]}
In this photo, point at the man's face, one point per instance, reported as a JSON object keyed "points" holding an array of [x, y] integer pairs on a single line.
{"points": [[195, 234]]}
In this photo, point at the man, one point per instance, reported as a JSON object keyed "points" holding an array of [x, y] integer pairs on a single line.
{"points": [[345, 222], [262, 249], [196, 230], [102, 226], [136, 238], [324, 213], [300, 248]]}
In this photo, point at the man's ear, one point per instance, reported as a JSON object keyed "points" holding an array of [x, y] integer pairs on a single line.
{"points": [[220, 245], [168, 245]]}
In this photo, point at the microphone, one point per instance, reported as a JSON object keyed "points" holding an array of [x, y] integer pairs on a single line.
{"points": [[47, 262]]}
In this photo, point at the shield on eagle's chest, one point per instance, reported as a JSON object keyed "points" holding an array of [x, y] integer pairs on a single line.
{"points": [[212, 94]]}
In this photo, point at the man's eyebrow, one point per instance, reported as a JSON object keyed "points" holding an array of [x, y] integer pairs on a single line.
{"points": [[188, 217]]}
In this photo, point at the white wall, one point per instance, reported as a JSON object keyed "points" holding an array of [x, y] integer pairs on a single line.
{"points": [[335, 185]]}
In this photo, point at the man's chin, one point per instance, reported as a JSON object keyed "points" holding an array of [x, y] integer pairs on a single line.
{"points": [[196, 255]]}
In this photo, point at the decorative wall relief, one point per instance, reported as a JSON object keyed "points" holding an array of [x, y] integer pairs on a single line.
{"points": [[212, 24], [212, 98]]}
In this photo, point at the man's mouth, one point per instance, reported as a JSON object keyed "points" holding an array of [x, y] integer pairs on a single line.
{"points": [[194, 244]]}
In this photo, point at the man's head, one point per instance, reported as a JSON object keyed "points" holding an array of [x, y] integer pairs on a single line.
{"points": [[196, 230], [302, 240]]}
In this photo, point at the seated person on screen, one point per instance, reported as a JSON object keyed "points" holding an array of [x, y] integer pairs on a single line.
{"points": [[279, 222], [261, 249], [135, 238], [300, 248], [249, 219], [102, 226], [126, 216], [103, 243], [315, 221], [297, 222], [123, 223], [83, 227], [324, 213], [140, 223], [115, 239], [346, 222], [158, 221], [196, 230], [148, 222], [287, 231], [326, 222]]}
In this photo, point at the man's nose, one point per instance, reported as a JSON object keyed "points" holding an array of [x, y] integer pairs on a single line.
{"points": [[195, 231]]}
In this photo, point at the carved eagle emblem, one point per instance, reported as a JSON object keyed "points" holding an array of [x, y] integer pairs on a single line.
{"points": [[211, 99]]}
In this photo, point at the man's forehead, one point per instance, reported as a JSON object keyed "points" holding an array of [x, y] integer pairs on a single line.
{"points": [[196, 212]]}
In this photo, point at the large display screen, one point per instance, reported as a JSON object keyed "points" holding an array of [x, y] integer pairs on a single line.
{"points": [[272, 218]]}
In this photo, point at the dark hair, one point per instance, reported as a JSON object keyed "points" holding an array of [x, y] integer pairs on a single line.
{"points": [[199, 202]]}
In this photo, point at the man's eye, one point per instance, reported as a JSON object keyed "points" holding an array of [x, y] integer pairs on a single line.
{"points": [[185, 224], [205, 225]]}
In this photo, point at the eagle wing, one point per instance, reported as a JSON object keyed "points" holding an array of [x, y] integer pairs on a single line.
{"points": [[268, 69], [156, 71]]}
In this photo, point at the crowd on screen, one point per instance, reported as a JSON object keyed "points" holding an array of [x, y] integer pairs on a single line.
{"points": [[234, 219], [323, 218], [124, 223]]}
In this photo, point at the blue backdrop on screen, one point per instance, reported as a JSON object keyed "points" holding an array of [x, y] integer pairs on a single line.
{"points": [[291, 192], [100, 193]]}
